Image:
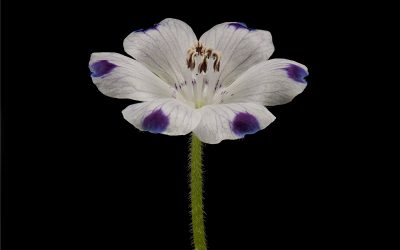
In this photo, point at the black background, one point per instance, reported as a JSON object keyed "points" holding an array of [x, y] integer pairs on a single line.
{"points": [[76, 175]]}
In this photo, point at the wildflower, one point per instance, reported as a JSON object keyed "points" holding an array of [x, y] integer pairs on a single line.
{"points": [[216, 87]]}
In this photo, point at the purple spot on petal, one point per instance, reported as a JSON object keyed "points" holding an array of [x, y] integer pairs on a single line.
{"points": [[238, 25], [296, 73], [156, 122], [102, 67], [245, 123], [150, 28]]}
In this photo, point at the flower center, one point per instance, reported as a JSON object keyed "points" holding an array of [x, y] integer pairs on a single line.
{"points": [[201, 83], [203, 54]]}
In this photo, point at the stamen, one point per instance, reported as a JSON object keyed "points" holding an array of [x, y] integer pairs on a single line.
{"points": [[203, 63], [217, 57], [199, 49], [208, 53], [190, 58]]}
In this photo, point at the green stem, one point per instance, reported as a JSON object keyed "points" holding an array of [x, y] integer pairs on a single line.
{"points": [[196, 194]]}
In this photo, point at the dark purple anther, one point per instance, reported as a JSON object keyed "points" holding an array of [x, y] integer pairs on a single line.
{"points": [[156, 122], [245, 123], [296, 73], [102, 67]]}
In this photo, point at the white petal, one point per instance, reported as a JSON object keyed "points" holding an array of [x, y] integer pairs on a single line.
{"points": [[240, 47], [164, 116], [273, 82], [119, 76], [162, 48], [231, 121]]}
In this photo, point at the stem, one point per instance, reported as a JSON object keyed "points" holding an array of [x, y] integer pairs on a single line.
{"points": [[196, 194]]}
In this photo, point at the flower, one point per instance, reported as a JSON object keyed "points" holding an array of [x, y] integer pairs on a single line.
{"points": [[216, 87]]}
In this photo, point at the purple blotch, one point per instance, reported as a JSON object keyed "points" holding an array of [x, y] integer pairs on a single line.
{"points": [[156, 122], [150, 28], [102, 67], [245, 123], [296, 73], [238, 25]]}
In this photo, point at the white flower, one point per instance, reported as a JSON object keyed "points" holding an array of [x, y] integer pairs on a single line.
{"points": [[217, 86]]}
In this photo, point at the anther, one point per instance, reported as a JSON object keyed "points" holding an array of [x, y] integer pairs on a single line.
{"points": [[217, 57], [198, 49]]}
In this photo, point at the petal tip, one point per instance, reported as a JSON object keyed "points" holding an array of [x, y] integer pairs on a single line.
{"points": [[245, 123], [156, 122], [101, 68], [148, 29], [238, 25], [296, 73]]}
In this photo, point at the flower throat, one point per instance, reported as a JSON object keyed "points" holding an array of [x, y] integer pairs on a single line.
{"points": [[203, 65]]}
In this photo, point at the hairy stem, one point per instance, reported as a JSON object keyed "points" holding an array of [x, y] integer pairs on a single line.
{"points": [[196, 194]]}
